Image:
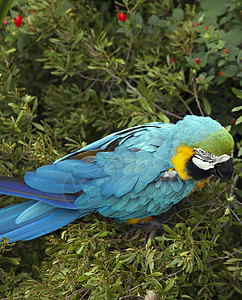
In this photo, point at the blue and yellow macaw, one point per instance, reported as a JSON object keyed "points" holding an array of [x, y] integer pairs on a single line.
{"points": [[130, 176]]}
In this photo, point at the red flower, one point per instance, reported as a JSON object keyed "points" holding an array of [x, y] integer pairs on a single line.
{"points": [[18, 20], [220, 73], [206, 27], [197, 60], [199, 79], [225, 51], [173, 60], [122, 17]]}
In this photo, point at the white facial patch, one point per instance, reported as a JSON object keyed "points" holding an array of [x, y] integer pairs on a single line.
{"points": [[205, 160]]}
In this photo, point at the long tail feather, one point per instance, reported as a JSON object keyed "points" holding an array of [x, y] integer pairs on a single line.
{"points": [[31, 219], [16, 187]]}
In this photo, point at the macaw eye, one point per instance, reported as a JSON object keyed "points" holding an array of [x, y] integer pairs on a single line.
{"points": [[202, 151]]}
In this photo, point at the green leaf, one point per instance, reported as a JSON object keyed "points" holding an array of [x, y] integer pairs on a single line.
{"points": [[215, 7], [120, 61], [4, 8], [19, 116], [236, 108], [162, 238], [11, 50], [239, 120], [169, 230], [207, 106], [38, 126], [234, 268], [138, 20], [155, 282], [153, 20], [178, 14], [79, 36], [232, 37], [10, 260], [190, 60], [209, 78], [22, 41], [64, 7], [237, 92], [156, 274], [221, 44], [170, 285], [230, 70], [222, 220], [222, 62]]}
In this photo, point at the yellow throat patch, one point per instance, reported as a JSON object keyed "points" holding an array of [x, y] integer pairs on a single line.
{"points": [[179, 160]]}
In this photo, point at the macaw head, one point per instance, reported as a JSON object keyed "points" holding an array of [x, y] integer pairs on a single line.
{"points": [[202, 147]]}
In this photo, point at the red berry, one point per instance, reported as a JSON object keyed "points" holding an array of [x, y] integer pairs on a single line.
{"points": [[122, 17], [173, 60], [206, 27], [220, 73], [199, 79], [197, 60], [18, 20], [5, 22], [234, 121], [225, 51]]}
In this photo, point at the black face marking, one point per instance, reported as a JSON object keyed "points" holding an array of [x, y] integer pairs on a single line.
{"points": [[196, 173], [204, 164]]}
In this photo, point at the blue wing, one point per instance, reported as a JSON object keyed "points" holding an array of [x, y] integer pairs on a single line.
{"points": [[124, 161], [156, 198], [146, 137], [119, 176]]}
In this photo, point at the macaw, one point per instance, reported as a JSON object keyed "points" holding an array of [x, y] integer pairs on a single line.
{"points": [[130, 175]]}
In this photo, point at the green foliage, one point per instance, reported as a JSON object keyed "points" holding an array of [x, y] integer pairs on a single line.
{"points": [[72, 73], [4, 7]]}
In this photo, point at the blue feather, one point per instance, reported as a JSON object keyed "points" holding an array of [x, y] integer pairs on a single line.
{"points": [[29, 226], [51, 186], [124, 184], [33, 211], [16, 187], [88, 170]]}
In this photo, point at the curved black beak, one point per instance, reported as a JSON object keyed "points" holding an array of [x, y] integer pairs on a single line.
{"points": [[224, 170]]}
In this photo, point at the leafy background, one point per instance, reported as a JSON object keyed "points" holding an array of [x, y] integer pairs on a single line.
{"points": [[72, 73]]}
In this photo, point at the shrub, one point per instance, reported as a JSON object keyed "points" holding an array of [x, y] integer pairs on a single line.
{"points": [[73, 71]]}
